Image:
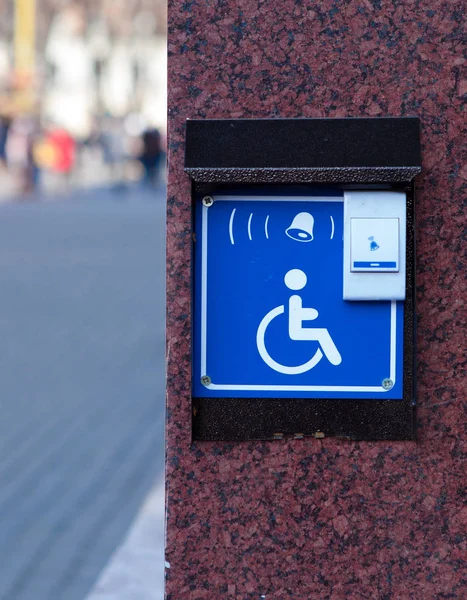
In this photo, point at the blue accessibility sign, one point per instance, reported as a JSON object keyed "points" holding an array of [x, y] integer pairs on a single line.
{"points": [[269, 314]]}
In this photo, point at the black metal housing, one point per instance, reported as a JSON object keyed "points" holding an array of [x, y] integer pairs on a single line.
{"points": [[385, 150], [354, 153]]}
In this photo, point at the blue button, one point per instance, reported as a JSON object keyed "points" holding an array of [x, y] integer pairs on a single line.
{"points": [[374, 265]]}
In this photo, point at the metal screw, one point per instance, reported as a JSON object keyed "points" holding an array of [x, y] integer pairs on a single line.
{"points": [[387, 384], [206, 380], [208, 201]]}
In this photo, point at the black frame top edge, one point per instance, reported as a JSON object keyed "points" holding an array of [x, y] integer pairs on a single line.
{"points": [[302, 143]]}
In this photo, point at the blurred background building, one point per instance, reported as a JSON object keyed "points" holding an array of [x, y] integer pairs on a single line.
{"points": [[86, 78]]}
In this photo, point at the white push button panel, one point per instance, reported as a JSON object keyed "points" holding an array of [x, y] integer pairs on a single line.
{"points": [[374, 245]]}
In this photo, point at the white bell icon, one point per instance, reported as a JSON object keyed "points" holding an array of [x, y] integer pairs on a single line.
{"points": [[301, 229]]}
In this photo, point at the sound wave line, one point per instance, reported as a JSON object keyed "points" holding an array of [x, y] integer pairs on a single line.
{"points": [[266, 227], [231, 226], [332, 227], [249, 226]]}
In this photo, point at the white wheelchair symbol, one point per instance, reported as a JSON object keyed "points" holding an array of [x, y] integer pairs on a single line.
{"points": [[296, 280]]}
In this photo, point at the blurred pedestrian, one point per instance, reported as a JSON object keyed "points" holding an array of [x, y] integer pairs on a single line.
{"points": [[151, 156], [56, 152], [5, 122], [32, 171], [21, 139], [115, 152], [66, 148]]}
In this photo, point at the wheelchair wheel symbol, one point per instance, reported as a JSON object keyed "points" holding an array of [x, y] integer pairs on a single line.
{"points": [[276, 312]]}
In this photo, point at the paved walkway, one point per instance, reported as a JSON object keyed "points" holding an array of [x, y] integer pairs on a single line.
{"points": [[81, 384], [136, 570]]}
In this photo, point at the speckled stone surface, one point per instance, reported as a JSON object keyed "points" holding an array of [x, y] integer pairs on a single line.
{"points": [[309, 518]]}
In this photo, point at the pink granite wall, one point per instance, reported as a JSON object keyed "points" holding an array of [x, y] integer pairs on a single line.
{"points": [[324, 518]]}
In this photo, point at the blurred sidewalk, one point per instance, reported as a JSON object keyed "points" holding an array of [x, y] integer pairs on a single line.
{"points": [[81, 386], [136, 570]]}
